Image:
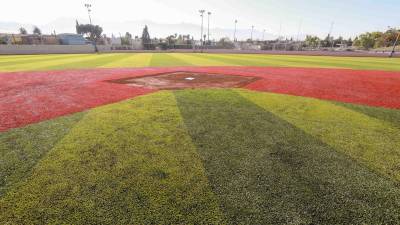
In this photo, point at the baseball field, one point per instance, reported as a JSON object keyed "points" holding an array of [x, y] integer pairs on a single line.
{"points": [[174, 138]]}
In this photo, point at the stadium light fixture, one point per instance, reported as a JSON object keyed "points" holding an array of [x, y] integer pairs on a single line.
{"points": [[330, 34], [234, 33], [208, 28], [252, 30], [263, 38], [89, 9], [202, 24]]}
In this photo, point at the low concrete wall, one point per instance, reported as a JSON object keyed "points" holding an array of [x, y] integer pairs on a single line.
{"points": [[266, 52], [48, 49]]}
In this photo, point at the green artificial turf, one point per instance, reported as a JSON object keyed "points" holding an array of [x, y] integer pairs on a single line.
{"points": [[266, 170], [391, 116], [210, 156], [126, 163], [21, 149], [368, 140], [116, 60]]}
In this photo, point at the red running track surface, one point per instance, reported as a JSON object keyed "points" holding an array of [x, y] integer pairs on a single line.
{"points": [[31, 97]]}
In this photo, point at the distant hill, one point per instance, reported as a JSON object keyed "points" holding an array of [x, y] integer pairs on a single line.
{"points": [[67, 25]]}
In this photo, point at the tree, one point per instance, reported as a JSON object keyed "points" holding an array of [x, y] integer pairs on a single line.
{"points": [[145, 35], [312, 41], [367, 40], [126, 40], [357, 42], [23, 31], [349, 42], [146, 40], [92, 32], [226, 43], [376, 39], [128, 35], [327, 42], [37, 31], [171, 40], [390, 37]]}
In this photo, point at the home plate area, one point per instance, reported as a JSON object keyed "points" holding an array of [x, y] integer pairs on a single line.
{"points": [[183, 80]]}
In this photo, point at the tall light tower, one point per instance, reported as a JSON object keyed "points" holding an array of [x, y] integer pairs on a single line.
{"points": [[252, 30], [263, 39], [202, 24], [299, 30], [330, 33], [208, 28], [234, 33], [89, 9]]}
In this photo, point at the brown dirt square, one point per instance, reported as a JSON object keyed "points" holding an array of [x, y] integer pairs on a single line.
{"points": [[187, 80]]}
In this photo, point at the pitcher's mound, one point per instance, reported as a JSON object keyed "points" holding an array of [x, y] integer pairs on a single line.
{"points": [[182, 80]]}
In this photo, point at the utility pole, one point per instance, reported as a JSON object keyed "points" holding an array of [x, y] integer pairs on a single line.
{"points": [[89, 9], [395, 44], [252, 30], [208, 28], [234, 34], [202, 24]]}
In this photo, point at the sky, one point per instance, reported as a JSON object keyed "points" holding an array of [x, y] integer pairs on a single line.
{"points": [[285, 17]]}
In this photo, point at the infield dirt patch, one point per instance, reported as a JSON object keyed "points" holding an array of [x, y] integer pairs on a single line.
{"points": [[182, 80]]}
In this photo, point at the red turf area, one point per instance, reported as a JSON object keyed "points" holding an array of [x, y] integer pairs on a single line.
{"points": [[30, 97]]}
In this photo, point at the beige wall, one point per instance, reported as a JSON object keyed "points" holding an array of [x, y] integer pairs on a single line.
{"points": [[48, 49]]}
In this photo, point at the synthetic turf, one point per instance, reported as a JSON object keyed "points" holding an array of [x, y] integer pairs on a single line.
{"points": [[370, 141], [30, 97], [215, 156], [127, 163], [47, 62], [266, 170]]}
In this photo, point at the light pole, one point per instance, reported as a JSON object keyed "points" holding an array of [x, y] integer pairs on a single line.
{"points": [[330, 33], [394, 45], [298, 35], [89, 9], [263, 35], [89, 6], [252, 30], [208, 28], [234, 34], [202, 24]]}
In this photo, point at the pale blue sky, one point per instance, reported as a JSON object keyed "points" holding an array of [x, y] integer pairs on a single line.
{"points": [[350, 16]]}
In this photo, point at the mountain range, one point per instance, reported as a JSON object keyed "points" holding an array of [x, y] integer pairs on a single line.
{"points": [[159, 30]]}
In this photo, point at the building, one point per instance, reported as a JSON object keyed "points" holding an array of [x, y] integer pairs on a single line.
{"points": [[72, 39], [5, 39], [50, 40], [31, 39], [16, 39]]}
